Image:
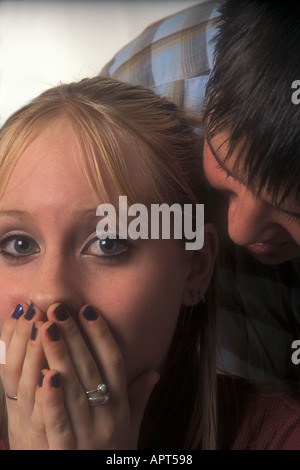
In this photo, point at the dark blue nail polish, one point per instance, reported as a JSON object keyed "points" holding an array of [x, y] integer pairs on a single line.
{"points": [[30, 312], [90, 314], [53, 332], [33, 332], [55, 380], [41, 378], [18, 312], [61, 313]]}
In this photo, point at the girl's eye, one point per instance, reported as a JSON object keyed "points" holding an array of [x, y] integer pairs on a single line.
{"points": [[105, 248], [18, 246]]}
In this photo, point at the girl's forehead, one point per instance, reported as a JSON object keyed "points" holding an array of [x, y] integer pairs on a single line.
{"points": [[54, 158], [115, 164]]}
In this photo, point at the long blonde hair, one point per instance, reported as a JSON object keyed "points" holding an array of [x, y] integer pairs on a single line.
{"points": [[112, 120]]}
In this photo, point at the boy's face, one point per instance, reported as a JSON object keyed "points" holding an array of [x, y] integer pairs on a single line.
{"points": [[269, 233]]}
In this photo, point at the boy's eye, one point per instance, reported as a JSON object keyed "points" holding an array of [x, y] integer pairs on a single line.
{"points": [[226, 172], [293, 218]]}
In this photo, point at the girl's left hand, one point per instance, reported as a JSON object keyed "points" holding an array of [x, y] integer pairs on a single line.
{"points": [[62, 417]]}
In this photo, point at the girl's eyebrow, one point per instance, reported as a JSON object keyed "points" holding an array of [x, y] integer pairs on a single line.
{"points": [[86, 213], [15, 213]]}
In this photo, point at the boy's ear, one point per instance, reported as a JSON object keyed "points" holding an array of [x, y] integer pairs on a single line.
{"points": [[200, 267]]}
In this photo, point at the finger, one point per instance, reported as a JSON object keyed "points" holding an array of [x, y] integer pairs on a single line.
{"points": [[56, 423], [38, 437], [10, 323], [7, 332], [16, 349], [86, 368], [106, 351], [75, 399], [9, 326], [33, 363], [19, 411]]}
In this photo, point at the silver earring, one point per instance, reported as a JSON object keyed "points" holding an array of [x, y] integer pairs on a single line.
{"points": [[197, 292], [202, 296]]}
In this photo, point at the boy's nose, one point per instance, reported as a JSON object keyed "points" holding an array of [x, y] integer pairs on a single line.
{"points": [[249, 219]]}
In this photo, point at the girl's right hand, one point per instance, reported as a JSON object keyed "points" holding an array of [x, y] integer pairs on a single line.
{"points": [[24, 360]]}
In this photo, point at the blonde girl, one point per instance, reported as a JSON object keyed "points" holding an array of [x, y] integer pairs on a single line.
{"points": [[109, 343]]}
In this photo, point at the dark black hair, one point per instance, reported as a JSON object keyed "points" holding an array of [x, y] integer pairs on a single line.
{"points": [[249, 93]]}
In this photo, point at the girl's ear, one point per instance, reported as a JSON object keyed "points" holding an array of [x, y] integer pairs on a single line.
{"points": [[200, 267]]}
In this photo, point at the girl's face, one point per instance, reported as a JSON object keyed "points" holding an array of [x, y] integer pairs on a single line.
{"points": [[49, 252]]}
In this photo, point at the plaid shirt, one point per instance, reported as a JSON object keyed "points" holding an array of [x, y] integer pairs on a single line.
{"points": [[259, 306], [166, 58]]}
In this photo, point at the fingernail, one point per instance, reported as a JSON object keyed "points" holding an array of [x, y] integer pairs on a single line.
{"points": [[53, 332], [41, 378], [18, 312], [33, 332], [61, 313], [90, 314], [55, 380], [30, 312]]}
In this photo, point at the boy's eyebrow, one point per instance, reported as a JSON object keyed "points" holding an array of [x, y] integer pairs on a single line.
{"points": [[221, 164]]}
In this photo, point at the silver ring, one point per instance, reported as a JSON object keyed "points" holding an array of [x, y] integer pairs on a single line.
{"points": [[99, 396], [97, 401], [11, 397]]}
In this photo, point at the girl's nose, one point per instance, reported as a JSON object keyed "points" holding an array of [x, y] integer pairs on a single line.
{"points": [[55, 281]]}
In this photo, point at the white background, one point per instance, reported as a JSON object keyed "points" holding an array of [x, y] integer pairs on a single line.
{"points": [[43, 42]]}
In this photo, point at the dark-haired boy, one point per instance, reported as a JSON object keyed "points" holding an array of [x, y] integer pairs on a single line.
{"points": [[251, 156]]}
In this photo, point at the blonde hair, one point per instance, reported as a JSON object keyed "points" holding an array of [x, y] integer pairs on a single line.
{"points": [[112, 121], [110, 118]]}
